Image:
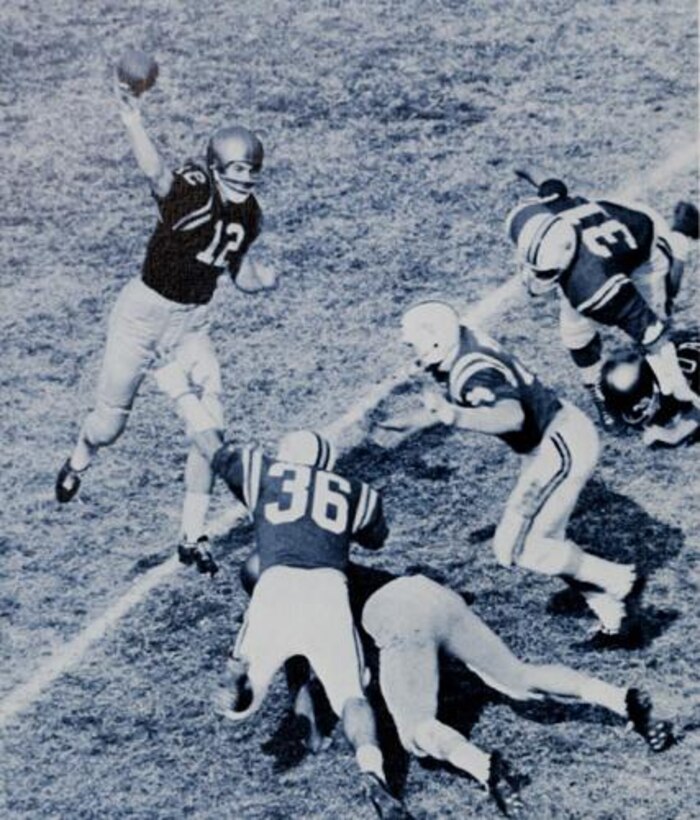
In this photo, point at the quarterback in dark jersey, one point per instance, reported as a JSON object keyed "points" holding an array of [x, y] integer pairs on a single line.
{"points": [[632, 394], [208, 217], [486, 389], [305, 517], [616, 264]]}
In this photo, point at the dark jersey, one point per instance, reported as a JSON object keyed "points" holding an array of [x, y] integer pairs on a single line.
{"points": [[483, 374], [614, 240], [198, 236], [688, 352], [303, 516]]}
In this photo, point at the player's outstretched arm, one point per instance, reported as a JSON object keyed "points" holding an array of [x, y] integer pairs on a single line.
{"points": [[147, 156]]}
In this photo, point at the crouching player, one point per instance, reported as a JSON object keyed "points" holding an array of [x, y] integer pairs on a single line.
{"points": [[305, 517], [488, 390], [633, 395], [411, 619]]}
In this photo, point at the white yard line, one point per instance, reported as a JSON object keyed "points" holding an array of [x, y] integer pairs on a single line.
{"points": [[486, 309]]}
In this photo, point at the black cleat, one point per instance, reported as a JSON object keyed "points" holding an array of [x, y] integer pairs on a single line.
{"points": [[657, 733], [686, 220], [503, 789], [67, 483], [607, 420], [385, 804], [198, 553]]}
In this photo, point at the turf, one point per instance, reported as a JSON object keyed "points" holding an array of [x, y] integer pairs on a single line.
{"points": [[391, 132]]}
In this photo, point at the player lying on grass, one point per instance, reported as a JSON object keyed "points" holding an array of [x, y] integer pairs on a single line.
{"points": [[488, 390], [412, 619], [305, 517], [603, 255], [633, 395], [208, 217]]}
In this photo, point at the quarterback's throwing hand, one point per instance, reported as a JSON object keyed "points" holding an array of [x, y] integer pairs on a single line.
{"points": [[127, 102]]}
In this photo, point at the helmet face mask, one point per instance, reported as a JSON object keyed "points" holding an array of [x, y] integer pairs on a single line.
{"points": [[630, 389], [235, 156], [306, 447], [432, 330]]}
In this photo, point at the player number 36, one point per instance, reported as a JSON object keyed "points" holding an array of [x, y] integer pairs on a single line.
{"points": [[328, 496]]}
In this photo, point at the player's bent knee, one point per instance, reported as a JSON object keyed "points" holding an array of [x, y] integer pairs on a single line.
{"points": [[577, 335], [549, 556], [104, 425], [214, 406]]}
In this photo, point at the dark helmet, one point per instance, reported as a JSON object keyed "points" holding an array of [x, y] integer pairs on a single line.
{"points": [[630, 388], [235, 156], [234, 144]]}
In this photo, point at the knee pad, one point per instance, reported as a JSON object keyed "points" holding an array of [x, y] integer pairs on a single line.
{"points": [[549, 556], [104, 425]]}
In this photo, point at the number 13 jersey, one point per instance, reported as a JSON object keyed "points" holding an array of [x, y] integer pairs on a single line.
{"points": [[197, 237], [303, 516]]}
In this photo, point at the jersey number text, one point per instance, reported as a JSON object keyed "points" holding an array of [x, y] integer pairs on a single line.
{"points": [[328, 497]]}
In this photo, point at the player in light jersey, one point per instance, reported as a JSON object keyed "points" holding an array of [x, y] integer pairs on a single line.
{"points": [[412, 619], [486, 389], [208, 217], [615, 264]]}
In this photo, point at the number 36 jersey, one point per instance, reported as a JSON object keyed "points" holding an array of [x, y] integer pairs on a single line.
{"points": [[303, 516], [197, 237]]}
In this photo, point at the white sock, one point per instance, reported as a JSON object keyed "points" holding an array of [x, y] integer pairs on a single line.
{"points": [[615, 579], [82, 455], [470, 759], [609, 611], [605, 694], [369, 759], [194, 513], [680, 245]]}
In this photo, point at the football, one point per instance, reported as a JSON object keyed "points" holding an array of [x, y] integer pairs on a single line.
{"points": [[137, 70]]}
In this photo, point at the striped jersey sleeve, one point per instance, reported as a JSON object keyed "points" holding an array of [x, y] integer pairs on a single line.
{"points": [[189, 203], [369, 527], [241, 469], [480, 380], [618, 303]]}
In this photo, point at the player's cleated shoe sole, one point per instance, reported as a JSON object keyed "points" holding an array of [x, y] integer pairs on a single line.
{"points": [[502, 788], [657, 733], [198, 553], [67, 483], [385, 804]]}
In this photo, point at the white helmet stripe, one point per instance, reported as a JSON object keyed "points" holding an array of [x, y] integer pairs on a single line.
{"points": [[537, 241]]}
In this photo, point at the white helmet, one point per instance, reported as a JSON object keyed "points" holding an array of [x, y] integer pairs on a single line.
{"points": [[432, 329], [546, 246], [235, 156], [306, 447]]}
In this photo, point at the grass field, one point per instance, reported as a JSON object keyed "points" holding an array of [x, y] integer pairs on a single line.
{"points": [[391, 130]]}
